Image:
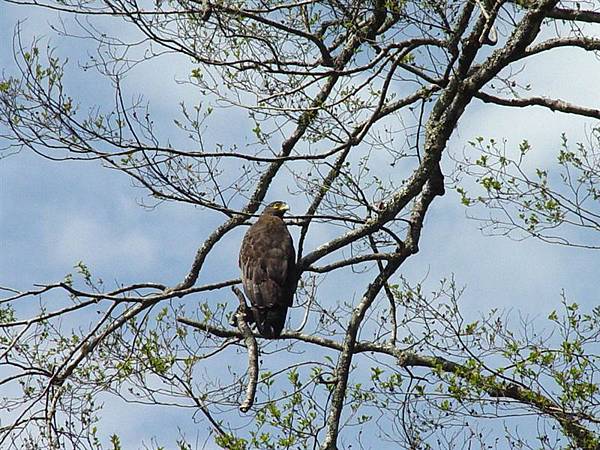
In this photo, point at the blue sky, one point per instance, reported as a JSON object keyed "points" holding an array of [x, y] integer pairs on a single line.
{"points": [[55, 214]]}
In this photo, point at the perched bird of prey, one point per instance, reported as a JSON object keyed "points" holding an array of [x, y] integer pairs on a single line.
{"points": [[267, 261]]}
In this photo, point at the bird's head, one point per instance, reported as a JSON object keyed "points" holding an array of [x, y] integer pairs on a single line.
{"points": [[277, 208]]}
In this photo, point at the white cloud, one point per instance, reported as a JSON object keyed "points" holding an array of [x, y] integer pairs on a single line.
{"points": [[99, 243]]}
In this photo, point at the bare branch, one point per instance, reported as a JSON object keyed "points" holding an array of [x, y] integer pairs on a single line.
{"points": [[552, 104], [580, 15], [252, 347], [586, 43]]}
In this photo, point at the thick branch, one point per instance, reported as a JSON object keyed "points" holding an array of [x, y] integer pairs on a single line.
{"points": [[583, 42], [250, 342], [580, 15], [552, 104], [522, 36]]}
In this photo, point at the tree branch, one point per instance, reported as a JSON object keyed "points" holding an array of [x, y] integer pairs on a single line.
{"points": [[250, 342], [586, 43], [405, 358], [552, 104], [580, 15]]}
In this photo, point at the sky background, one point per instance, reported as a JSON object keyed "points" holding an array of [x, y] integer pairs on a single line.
{"points": [[55, 214]]}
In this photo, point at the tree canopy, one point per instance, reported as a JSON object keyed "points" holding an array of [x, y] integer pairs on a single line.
{"points": [[347, 110]]}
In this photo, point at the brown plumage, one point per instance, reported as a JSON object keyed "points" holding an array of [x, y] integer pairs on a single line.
{"points": [[267, 260]]}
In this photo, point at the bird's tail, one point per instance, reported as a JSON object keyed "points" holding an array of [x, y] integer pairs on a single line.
{"points": [[270, 321]]}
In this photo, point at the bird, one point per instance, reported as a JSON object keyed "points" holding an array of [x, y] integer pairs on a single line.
{"points": [[267, 262]]}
